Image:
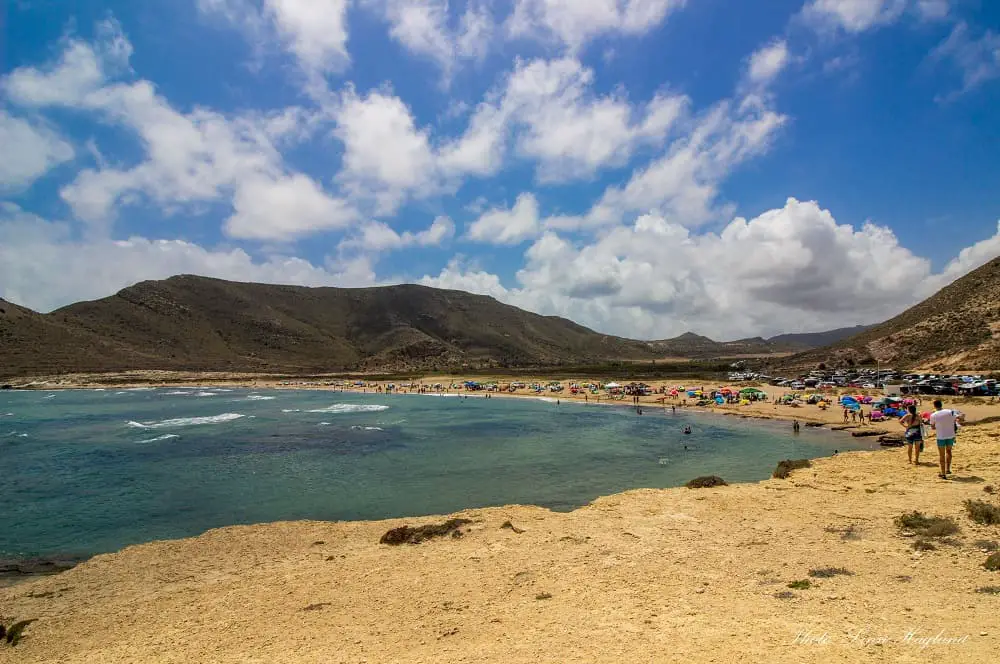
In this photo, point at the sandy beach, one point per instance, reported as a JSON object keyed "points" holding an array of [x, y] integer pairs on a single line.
{"points": [[699, 575]]}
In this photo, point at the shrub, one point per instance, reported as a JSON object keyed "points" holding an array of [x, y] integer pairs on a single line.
{"points": [[829, 572], [706, 482], [928, 526], [992, 562], [920, 544], [786, 467], [803, 584], [989, 590], [986, 545], [982, 512]]}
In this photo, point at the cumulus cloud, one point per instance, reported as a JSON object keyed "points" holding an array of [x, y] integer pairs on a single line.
{"points": [[558, 122], [314, 32], [30, 150], [573, 24], [426, 28], [501, 226], [43, 265], [194, 157], [789, 269], [376, 236]]}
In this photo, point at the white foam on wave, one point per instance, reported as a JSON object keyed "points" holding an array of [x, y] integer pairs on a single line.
{"points": [[324, 424], [186, 421], [7, 415], [350, 408], [138, 389], [177, 393], [291, 410], [51, 396], [258, 397], [360, 428], [166, 436]]}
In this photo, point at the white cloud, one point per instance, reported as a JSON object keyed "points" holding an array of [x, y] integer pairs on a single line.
{"points": [[967, 260], [933, 10], [977, 58], [386, 157], [767, 62], [30, 150], [501, 226], [556, 120], [789, 269], [376, 236], [682, 184], [572, 23], [200, 156], [313, 31], [285, 207], [852, 15], [425, 28], [43, 266]]}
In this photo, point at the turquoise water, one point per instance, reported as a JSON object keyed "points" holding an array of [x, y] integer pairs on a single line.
{"points": [[86, 471]]}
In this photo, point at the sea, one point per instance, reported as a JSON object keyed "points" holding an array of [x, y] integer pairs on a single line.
{"points": [[91, 471]]}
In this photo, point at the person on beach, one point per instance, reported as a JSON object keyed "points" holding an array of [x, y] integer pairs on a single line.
{"points": [[846, 416], [913, 436], [945, 424], [795, 426]]}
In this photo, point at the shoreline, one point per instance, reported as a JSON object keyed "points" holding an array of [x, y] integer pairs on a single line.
{"points": [[976, 408], [653, 565]]}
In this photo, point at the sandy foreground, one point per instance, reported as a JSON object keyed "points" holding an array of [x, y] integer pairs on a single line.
{"points": [[649, 575]]}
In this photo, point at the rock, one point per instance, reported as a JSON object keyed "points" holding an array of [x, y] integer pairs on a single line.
{"points": [[706, 482], [35, 566], [869, 434], [510, 526], [410, 535]]}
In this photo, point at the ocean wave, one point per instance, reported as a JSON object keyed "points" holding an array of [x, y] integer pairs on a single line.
{"points": [[51, 396], [360, 428], [7, 415], [186, 421], [324, 424], [177, 393], [258, 397], [291, 410], [350, 408], [166, 436]]}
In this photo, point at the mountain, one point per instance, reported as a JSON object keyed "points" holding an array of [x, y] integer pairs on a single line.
{"points": [[816, 339], [201, 324], [695, 346], [957, 328], [190, 323]]}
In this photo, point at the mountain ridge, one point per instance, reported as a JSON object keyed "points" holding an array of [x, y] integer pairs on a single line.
{"points": [[194, 323]]}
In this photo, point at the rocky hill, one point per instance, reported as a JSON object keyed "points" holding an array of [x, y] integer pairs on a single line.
{"points": [[189, 323], [196, 323], [957, 328]]}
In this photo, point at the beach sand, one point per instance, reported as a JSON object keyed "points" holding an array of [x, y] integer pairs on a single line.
{"points": [[680, 574]]}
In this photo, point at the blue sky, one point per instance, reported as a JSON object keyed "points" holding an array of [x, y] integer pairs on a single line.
{"points": [[644, 167]]}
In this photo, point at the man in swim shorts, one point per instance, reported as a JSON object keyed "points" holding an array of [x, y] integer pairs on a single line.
{"points": [[945, 423]]}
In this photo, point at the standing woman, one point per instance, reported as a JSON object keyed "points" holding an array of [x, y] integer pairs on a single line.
{"points": [[913, 435]]}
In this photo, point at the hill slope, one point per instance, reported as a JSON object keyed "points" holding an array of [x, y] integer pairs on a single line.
{"points": [[197, 323], [957, 328]]}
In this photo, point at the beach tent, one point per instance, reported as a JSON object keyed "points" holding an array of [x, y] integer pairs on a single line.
{"points": [[612, 386], [720, 400], [751, 390]]}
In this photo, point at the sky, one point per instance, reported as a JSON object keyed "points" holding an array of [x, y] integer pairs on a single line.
{"points": [[643, 167]]}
